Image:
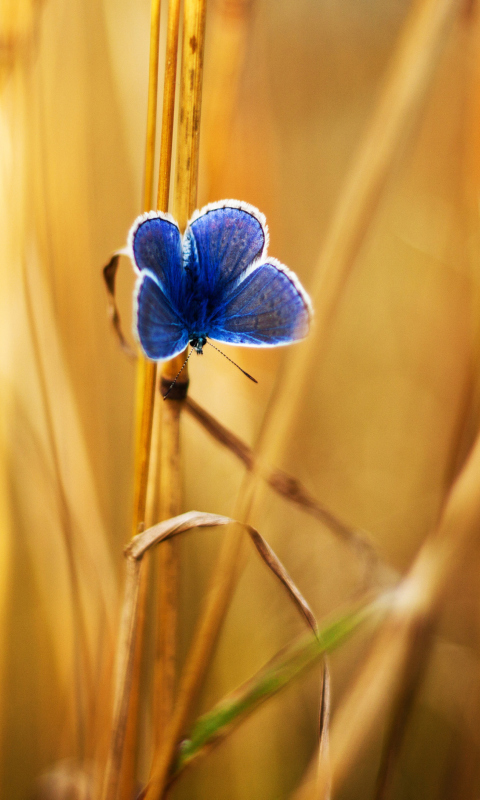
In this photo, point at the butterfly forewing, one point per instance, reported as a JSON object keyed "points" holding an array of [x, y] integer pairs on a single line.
{"points": [[156, 245], [227, 240]]}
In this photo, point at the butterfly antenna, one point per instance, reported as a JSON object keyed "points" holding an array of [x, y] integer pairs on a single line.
{"points": [[231, 361], [177, 376]]}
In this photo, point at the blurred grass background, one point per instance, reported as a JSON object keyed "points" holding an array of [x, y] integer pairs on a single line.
{"points": [[384, 422]]}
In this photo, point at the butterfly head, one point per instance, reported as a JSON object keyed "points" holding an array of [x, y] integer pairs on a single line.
{"points": [[198, 343]]}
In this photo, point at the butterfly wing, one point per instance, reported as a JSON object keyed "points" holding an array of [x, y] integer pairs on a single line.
{"points": [[155, 244], [159, 329], [221, 242], [268, 307], [221, 285]]}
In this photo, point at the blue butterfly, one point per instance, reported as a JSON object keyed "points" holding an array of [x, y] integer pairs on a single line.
{"points": [[214, 282]]}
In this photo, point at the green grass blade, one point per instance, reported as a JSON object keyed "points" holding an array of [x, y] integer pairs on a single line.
{"points": [[285, 667]]}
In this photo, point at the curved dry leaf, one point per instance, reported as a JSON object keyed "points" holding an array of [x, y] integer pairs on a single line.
{"points": [[109, 273], [134, 553]]}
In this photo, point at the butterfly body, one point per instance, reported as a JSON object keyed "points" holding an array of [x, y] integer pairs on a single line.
{"points": [[214, 282], [198, 343]]}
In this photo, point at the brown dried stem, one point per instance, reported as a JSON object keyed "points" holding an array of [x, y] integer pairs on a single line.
{"points": [[152, 104], [324, 732], [124, 778], [81, 657], [230, 25], [287, 486], [189, 681], [409, 684], [184, 205], [286, 666], [168, 105], [393, 121], [132, 607], [419, 599], [166, 477]]}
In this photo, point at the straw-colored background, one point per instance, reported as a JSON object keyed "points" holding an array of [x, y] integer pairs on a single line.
{"points": [[385, 418]]}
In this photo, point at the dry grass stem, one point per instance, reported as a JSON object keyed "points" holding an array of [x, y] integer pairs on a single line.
{"points": [[196, 663], [139, 545], [130, 629], [317, 780], [167, 565], [166, 479], [126, 669], [287, 665], [185, 202], [145, 401], [230, 26], [198, 657], [166, 138], [196, 519], [82, 657], [409, 684], [152, 103], [109, 275], [133, 606], [190, 110], [287, 486], [397, 111], [325, 792], [419, 598], [274, 564]]}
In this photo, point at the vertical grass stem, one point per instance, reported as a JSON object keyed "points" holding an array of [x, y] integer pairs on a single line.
{"points": [[185, 200], [122, 758]]}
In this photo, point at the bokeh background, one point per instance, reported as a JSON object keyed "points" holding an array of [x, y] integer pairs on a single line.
{"points": [[383, 423]]}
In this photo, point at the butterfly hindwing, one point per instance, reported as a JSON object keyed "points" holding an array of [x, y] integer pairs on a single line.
{"points": [[160, 331], [221, 242], [269, 307]]}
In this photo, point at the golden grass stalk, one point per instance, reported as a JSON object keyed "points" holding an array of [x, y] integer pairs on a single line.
{"points": [[169, 528], [120, 770], [230, 25], [166, 477], [318, 773], [198, 658], [190, 108], [404, 90], [419, 598], [132, 608], [81, 656], [324, 732], [167, 562], [169, 459], [168, 105], [286, 666], [146, 370], [288, 487], [152, 104], [185, 199], [196, 667], [401, 100], [409, 683], [130, 632]]}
